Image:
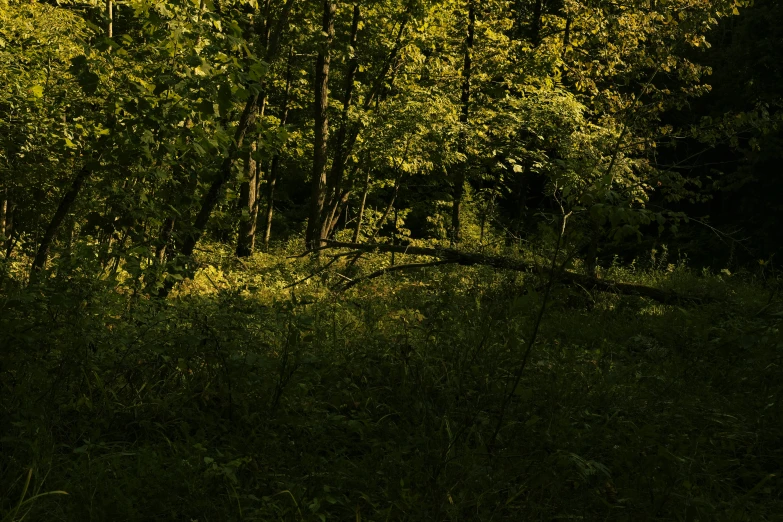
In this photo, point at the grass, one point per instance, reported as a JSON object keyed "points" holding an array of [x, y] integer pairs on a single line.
{"points": [[238, 399]]}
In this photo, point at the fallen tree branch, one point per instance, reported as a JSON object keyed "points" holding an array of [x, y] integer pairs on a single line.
{"points": [[450, 255], [394, 268], [317, 272]]}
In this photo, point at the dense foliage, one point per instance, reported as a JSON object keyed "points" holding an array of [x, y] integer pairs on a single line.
{"points": [[390, 260]]}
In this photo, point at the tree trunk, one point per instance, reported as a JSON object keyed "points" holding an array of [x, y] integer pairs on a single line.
{"points": [[257, 203], [341, 147], [459, 178], [363, 204], [275, 165], [248, 189], [10, 228], [337, 211], [389, 207], [247, 205], [346, 145], [212, 196], [535, 26], [59, 216], [3, 212], [270, 200], [165, 236], [321, 137], [110, 18]]}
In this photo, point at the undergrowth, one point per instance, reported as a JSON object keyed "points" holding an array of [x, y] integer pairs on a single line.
{"points": [[241, 399]]}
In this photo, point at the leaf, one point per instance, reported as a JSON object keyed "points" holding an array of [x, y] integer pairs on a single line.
{"points": [[206, 108], [37, 91], [202, 70], [87, 79], [225, 99]]}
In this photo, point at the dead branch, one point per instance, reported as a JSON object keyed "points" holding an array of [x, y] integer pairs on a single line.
{"points": [[394, 268], [450, 255]]}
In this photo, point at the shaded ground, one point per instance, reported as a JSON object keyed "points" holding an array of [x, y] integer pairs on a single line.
{"points": [[239, 400]]}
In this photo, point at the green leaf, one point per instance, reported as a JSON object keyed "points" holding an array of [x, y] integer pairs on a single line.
{"points": [[225, 99], [87, 79], [207, 108]]}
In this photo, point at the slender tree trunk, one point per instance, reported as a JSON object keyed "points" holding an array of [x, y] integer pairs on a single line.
{"points": [[9, 228], [522, 192], [248, 189], [342, 152], [274, 168], [211, 198], [110, 18], [321, 137], [270, 200], [3, 211], [388, 210], [165, 236], [346, 145], [337, 212], [257, 203], [459, 178], [395, 231], [248, 207], [59, 216], [360, 215], [535, 26]]}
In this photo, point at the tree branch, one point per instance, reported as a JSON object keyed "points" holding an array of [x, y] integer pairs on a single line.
{"points": [[449, 255], [395, 268]]}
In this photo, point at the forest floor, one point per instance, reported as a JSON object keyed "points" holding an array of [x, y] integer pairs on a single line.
{"points": [[240, 399]]}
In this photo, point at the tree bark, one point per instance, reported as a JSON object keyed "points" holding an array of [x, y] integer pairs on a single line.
{"points": [[321, 137], [274, 168], [10, 228], [59, 216], [247, 202], [337, 211], [248, 189], [270, 200], [360, 215], [165, 236], [459, 178], [342, 151], [259, 178], [3, 212], [110, 18]]}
